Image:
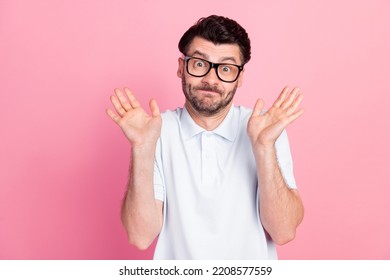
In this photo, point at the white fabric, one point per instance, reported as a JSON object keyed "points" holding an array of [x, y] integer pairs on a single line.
{"points": [[208, 183]]}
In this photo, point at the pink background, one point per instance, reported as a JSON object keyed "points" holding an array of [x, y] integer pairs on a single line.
{"points": [[63, 163]]}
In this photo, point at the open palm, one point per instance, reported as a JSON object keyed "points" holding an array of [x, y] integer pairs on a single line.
{"points": [[264, 129], [139, 127]]}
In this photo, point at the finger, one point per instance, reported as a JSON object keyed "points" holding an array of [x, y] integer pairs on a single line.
{"points": [[290, 98], [117, 105], [112, 115], [295, 104], [258, 108], [294, 116], [122, 99], [154, 108], [281, 98], [133, 101]]}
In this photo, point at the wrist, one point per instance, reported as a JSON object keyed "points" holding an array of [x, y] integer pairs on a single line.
{"points": [[143, 149], [261, 149]]}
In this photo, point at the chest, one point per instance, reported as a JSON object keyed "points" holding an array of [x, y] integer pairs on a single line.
{"points": [[208, 165]]}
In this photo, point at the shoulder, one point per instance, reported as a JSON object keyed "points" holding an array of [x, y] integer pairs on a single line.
{"points": [[170, 117], [170, 121], [242, 113], [172, 114]]}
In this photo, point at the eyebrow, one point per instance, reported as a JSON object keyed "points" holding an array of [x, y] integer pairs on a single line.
{"points": [[224, 59]]}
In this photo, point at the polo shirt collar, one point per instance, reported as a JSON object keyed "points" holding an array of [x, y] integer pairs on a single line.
{"points": [[228, 129]]}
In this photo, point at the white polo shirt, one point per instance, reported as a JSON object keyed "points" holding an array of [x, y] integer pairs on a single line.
{"points": [[208, 183]]}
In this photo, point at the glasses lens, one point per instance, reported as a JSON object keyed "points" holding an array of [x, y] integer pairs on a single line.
{"points": [[197, 67], [228, 72]]}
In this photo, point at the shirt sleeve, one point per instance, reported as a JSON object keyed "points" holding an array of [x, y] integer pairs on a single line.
{"points": [[158, 177], [284, 158]]}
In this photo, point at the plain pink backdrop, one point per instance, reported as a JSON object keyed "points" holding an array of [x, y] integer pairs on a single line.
{"points": [[63, 163]]}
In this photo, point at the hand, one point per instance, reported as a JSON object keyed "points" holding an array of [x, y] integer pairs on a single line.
{"points": [[139, 127], [264, 129]]}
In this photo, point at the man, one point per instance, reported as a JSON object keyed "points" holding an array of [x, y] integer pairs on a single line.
{"points": [[212, 180]]}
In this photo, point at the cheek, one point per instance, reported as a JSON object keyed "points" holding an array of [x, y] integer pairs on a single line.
{"points": [[191, 81], [186, 84], [231, 89], [228, 88]]}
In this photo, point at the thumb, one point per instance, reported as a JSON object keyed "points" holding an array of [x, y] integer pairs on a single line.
{"points": [[154, 108], [258, 107]]}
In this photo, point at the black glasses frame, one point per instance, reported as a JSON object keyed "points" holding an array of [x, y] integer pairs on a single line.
{"points": [[215, 66]]}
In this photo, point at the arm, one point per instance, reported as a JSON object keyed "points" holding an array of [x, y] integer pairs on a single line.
{"points": [[141, 214], [281, 209]]}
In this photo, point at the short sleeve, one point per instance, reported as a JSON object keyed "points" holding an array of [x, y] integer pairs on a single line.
{"points": [[284, 158]]}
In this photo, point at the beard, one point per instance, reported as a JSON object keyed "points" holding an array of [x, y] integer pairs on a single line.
{"points": [[206, 105]]}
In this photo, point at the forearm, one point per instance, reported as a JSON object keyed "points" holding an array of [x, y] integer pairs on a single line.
{"points": [[140, 214], [281, 209]]}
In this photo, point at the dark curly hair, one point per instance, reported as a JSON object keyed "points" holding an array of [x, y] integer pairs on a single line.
{"points": [[219, 30]]}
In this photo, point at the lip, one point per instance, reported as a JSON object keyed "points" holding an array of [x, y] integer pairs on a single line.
{"points": [[208, 92]]}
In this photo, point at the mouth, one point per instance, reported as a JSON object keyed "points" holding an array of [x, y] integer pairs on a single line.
{"points": [[209, 92]]}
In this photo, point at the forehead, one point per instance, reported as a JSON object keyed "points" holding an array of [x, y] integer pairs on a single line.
{"points": [[215, 53]]}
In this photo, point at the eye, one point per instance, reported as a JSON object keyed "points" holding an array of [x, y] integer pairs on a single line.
{"points": [[226, 68], [199, 63]]}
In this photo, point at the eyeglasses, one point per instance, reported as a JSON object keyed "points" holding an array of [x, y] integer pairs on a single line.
{"points": [[199, 67]]}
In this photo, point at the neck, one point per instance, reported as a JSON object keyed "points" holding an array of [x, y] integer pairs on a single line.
{"points": [[206, 121]]}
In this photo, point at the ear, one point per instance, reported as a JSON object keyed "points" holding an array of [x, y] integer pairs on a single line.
{"points": [[240, 78], [180, 67]]}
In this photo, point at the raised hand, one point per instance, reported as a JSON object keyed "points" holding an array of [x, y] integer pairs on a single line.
{"points": [[139, 127], [264, 129]]}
